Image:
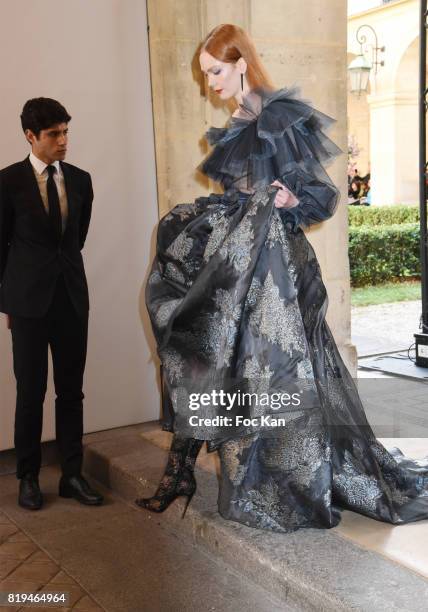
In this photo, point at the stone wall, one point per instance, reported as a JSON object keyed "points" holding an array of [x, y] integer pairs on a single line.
{"points": [[300, 43]]}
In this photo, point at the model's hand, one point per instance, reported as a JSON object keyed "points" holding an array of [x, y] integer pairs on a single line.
{"points": [[284, 197], [8, 322]]}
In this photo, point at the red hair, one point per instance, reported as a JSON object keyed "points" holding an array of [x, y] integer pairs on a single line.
{"points": [[228, 43]]}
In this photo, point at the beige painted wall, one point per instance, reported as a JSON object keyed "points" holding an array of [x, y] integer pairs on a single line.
{"points": [[93, 56], [299, 43]]}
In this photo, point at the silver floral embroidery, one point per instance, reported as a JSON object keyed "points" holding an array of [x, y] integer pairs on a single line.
{"points": [[288, 256], [227, 318], [179, 398], [355, 487], [173, 364], [253, 369], [275, 233], [218, 234], [253, 292], [213, 217], [313, 457], [191, 267], [180, 247], [268, 512], [305, 374], [165, 311], [238, 245], [258, 382], [280, 321], [385, 459], [172, 271], [260, 198], [155, 277], [295, 452], [231, 452]]}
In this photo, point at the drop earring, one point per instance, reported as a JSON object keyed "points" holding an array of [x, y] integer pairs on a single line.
{"points": [[242, 82]]}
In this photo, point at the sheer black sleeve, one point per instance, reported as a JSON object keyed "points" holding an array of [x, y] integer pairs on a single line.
{"points": [[318, 196]]}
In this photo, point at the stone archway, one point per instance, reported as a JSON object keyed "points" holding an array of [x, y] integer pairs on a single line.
{"points": [[406, 176], [394, 131], [392, 102]]}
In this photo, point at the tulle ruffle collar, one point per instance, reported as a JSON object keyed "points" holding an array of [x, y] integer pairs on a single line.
{"points": [[271, 132]]}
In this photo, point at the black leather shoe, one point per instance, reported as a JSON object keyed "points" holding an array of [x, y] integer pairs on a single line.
{"points": [[78, 488], [30, 496]]}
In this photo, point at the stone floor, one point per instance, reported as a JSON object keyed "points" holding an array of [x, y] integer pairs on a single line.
{"points": [[117, 553], [26, 568], [385, 327]]}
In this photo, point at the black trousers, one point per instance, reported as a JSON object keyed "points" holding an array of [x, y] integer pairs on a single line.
{"points": [[66, 333]]}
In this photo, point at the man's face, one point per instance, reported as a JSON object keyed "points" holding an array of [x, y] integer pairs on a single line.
{"points": [[51, 144]]}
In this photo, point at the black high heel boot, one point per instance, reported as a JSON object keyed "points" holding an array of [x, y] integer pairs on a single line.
{"points": [[178, 479]]}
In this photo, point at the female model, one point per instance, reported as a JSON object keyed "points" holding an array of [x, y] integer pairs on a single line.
{"points": [[238, 309]]}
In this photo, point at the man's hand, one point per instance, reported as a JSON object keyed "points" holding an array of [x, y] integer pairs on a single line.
{"points": [[284, 197]]}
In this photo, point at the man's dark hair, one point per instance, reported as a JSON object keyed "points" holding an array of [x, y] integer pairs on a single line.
{"points": [[42, 113]]}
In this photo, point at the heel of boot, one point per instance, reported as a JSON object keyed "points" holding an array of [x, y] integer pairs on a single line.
{"points": [[186, 503]]}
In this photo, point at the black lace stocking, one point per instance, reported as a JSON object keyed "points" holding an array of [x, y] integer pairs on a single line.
{"points": [[178, 479]]}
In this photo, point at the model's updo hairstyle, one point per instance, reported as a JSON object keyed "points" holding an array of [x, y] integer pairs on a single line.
{"points": [[228, 43]]}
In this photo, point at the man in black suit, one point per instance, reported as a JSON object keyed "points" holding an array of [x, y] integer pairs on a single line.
{"points": [[45, 209]]}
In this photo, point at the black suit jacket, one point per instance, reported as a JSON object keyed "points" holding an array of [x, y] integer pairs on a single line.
{"points": [[31, 257]]}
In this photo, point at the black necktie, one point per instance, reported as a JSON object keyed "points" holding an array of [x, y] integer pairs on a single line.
{"points": [[54, 207]]}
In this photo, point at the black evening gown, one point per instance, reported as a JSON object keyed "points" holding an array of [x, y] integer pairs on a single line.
{"points": [[237, 303]]}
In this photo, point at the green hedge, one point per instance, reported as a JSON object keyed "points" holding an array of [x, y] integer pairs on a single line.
{"points": [[382, 215], [378, 254]]}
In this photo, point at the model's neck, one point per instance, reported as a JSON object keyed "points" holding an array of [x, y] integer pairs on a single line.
{"points": [[242, 92]]}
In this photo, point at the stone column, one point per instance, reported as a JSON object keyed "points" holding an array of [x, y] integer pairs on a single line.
{"points": [[302, 43]]}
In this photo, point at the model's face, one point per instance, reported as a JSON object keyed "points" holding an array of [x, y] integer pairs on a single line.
{"points": [[224, 78], [51, 144]]}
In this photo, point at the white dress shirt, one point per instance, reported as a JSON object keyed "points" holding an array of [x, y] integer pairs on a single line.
{"points": [[41, 173]]}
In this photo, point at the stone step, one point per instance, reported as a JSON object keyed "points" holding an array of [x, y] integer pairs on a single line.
{"points": [[306, 570]]}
